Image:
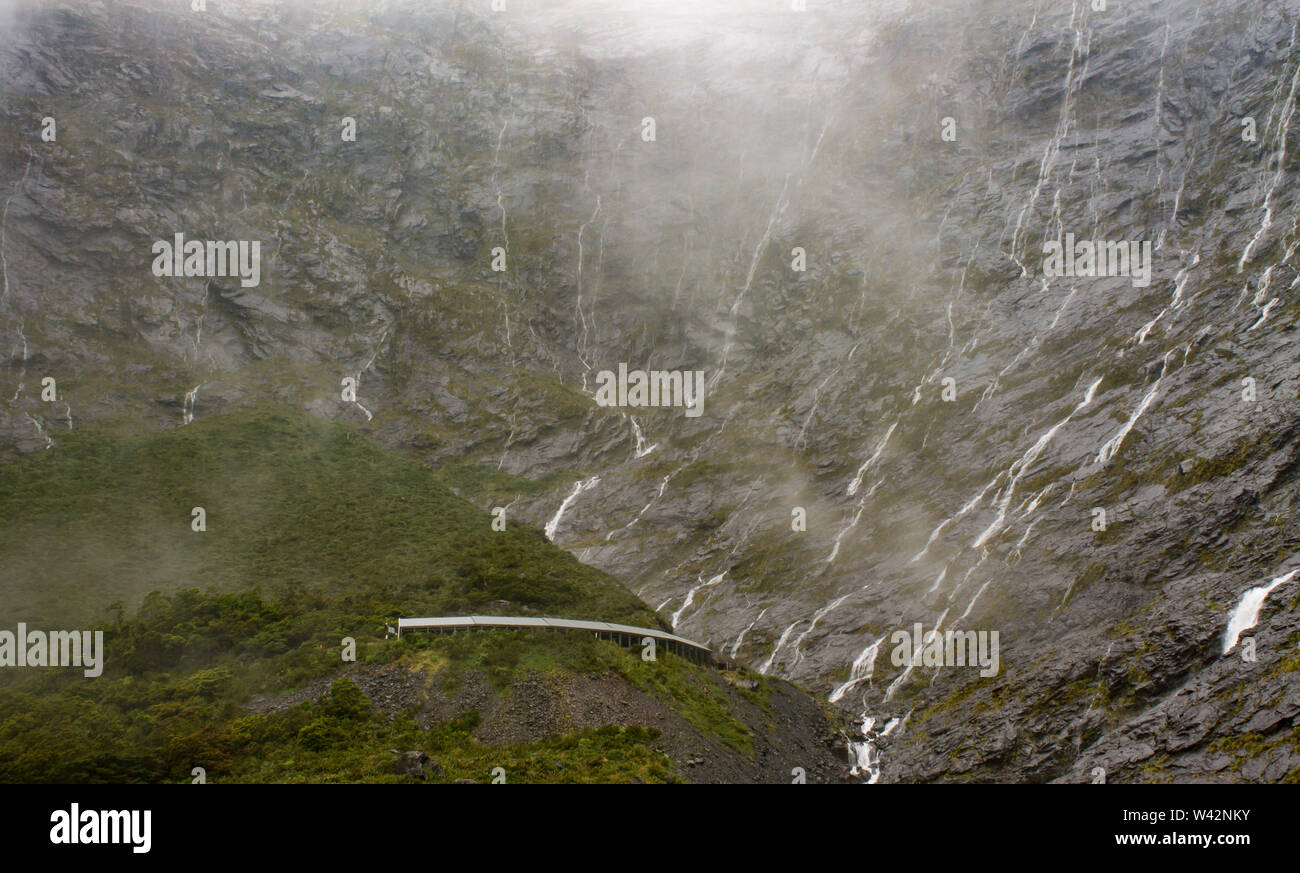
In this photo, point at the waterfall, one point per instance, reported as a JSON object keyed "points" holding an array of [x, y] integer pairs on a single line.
{"points": [[863, 668], [866, 756], [578, 487], [1020, 467], [641, 449], [690, 596], [1246, 615], [191, 396], [866, 465]]}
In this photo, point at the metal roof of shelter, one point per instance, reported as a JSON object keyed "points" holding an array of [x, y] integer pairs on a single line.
{"points": [[460, 621]]}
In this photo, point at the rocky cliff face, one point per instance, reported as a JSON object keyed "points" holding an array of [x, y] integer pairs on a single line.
{"points": [[1098, 468]]}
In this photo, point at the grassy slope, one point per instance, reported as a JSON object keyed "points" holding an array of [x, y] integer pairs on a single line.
{"points": [[292, 502], [313, 534]]}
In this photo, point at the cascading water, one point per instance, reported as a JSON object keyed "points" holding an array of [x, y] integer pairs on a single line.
{"points": [[866, 754], [641, 449], [663, 485], [4, 229], [690, 596], [40, 429], [578, 487], [191, 400], [1246, 614]]}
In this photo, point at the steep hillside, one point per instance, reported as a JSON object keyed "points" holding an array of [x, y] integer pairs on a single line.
{"points": [[314, 536], [1099, 469]]}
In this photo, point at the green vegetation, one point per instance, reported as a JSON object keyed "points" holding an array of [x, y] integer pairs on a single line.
{"points": [[179, 676], [1245, 747], [292, 504], [176, 726], [313, 534], [1290, 660], [1206, 470], [959, 696], [1156, 770], [340, 739], [486, 481]]}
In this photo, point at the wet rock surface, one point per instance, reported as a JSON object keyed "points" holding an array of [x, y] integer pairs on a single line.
{"points": [[821, 130]]}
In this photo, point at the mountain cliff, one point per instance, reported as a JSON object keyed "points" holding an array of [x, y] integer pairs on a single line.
{"points": [[839, 215]]}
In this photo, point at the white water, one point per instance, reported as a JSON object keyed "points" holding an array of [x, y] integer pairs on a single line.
{"points": [[801, 441], [1159, 113], [759, 249], [967, 507], [1024, 538], [866, 755], [203, 314], [22, 367], [1246, 615], [641, 449], [40, 429], [735, 647], [582, 317], [662, 485], [191, 398], [1038, 498], [501, 206], [4, 227], [913, 660], [866, 465], [863, 668], [780, 644], [971, 605], [1180, 283], [505, 449], [578, 487], [1112, 446], [1074, 75], [1263, 313], [690, 595], [375, 354], [1020, 467], [1284, 124], [853, 522], [817, 616]]}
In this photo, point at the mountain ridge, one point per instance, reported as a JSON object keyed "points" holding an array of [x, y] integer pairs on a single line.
{"points": [[820, 130]]}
